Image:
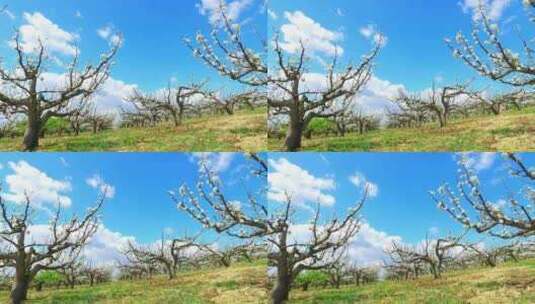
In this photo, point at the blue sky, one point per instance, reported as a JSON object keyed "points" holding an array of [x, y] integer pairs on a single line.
{"points": [[139, 205], [415, 53], [153, 52], [400, 207]]}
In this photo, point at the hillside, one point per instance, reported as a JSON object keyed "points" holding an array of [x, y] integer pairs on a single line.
{"points": [[241, 283], [243, 131], [511, 131], [508, 283]]}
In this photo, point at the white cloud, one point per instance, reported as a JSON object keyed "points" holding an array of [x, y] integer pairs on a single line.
{"points": [[212, 9], [104, 247], [370, 32], [288, 178], [366, 248], [109, 34], [315, 38], [218, 162], [272, 14], [479, 161], [97, 182], [38, 29], [373, 98], [104, 32], [494, 8], [109, 98], [359, 180], [41, 188]]}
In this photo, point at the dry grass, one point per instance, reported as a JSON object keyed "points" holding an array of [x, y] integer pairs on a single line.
{"points": [[244, 131], [241, 283], [511, 131], [508, 283]]}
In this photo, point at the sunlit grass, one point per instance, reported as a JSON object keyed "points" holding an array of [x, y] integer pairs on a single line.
{"points": [[244, 131], [511, 131], [240, 283], [508, 283]]}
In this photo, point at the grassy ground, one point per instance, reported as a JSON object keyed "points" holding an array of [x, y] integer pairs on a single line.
{"points": [[507, 284], [511, 131], [244, 131], [244, 283]]}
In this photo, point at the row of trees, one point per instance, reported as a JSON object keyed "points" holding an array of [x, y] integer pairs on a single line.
{"points": [[25, 94], [171, 256], [436, 256], [484, 52], [175, 104], [440, 104]]}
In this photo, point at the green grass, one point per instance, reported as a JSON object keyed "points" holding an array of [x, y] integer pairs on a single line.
{"points": [[511, 131], [508, 283], [240, 283], [243, 131], [247, 283]]}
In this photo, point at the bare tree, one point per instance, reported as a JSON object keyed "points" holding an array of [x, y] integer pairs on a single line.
{"points": [[163, 254], [512, 220], [435, 254], [224, 256], [488, 55], [490, 256], [95, 274], [498, 103], [24, 92], [27, 257], [251, 220], [336, 272], [325, 247], [146, 108], [225, 51], [408, 110], [361, 275], [302, 104], [441, 102], [98, 121], [79, 117], [228, 104], [72, 268], [182, 101]]}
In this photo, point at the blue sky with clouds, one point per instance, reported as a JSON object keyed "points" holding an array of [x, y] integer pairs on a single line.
{"points": [[139, 208], [399, 206], [138, 204], [153, 52], [414, 53]]}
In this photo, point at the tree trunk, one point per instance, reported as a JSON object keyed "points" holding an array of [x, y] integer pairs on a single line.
{"points": [[295, 133], [19, 292], [32, 133], [442, 120], [281, 291]]}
